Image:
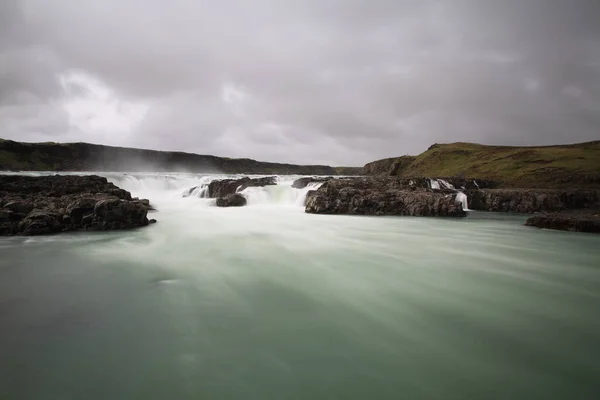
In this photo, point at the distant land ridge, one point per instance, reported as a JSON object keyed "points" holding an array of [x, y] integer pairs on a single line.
{"points": [[51, 156]]}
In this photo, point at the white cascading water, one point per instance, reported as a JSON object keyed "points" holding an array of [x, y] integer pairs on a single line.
{"points": [[198, 191], [462, 198], [176, 188], [281, 194]]}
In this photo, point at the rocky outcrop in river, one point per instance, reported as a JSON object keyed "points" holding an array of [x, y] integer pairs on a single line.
{"points": [[579, 221], [301, 183], [224, 187], [64, 203], [382, 196], [232, 200], [226, 191], [531, 200]]}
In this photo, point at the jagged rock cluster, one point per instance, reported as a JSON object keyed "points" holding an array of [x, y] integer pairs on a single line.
{"points": [[64, 203]]}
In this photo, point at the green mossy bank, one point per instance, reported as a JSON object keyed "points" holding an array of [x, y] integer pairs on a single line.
{"points": [[576, 165]]}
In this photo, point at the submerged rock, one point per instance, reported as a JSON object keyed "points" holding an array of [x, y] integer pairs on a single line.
{"points": [[583, 221], [224, 187], [231, 200], [381, 196], [63, 203]]}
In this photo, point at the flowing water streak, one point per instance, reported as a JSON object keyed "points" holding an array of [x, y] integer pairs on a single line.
{"points": [[462, 198]]}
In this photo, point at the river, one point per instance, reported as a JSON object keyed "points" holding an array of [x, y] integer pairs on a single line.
{"points": [[267, 302]]}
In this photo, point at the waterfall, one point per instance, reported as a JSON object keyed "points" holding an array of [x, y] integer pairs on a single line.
{"points": [[197, 191], [171, 189], [281, 194], [462, 198]]}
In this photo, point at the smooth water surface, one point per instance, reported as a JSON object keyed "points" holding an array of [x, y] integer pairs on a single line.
{"points": [[267, 302]]}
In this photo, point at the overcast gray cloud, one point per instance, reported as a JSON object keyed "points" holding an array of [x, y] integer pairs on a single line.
{"points": [[340, 82]]}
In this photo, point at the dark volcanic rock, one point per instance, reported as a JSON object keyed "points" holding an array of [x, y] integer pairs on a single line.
{"points": [[231, 200], [63, 203], [381, 196], [531, 200], [19, 206], [221, 188], [309, 195], [567, 221], [40, 222], [301, 183]]}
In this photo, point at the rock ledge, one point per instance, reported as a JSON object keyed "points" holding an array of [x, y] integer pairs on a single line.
{"points": [[574, 221], [66, 203]]}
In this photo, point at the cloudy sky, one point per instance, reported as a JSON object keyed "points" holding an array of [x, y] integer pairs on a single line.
{"points": [[339, 82]]}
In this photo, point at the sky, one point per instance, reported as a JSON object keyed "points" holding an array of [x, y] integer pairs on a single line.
{"points": [[337, 82]]}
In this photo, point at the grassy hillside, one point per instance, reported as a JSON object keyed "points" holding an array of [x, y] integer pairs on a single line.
{"points": [[91, 157], [547, 166]]}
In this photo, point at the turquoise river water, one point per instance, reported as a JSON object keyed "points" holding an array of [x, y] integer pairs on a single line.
{"points": [[267, 302]]}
